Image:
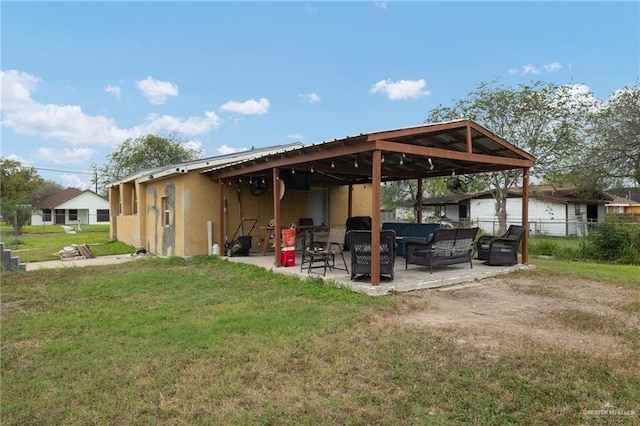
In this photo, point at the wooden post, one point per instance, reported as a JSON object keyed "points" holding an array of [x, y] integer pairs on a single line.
{"points": [[376, 177], [525, 216], [222, 226], [277, 229], [419, 199]]}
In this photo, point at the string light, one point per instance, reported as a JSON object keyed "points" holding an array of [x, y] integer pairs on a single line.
{"points": [[333, 165]]}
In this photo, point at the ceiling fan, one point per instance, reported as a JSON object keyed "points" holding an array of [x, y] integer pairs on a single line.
{"points": [[458, 185], [258, 187]]}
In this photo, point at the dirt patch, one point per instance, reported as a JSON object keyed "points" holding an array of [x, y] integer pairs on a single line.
{"points": [[511, 313]]}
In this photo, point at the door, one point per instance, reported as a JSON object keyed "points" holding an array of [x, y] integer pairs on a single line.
{"points": [[318, 205], [60, 217]]}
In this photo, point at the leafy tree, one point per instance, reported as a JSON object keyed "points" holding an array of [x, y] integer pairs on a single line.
{"points": [[16, 185], [614, 155], [44, 191], [142, 153], [546, 120]]}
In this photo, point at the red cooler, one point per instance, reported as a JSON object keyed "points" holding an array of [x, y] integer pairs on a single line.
{"points": [[288, 256]]}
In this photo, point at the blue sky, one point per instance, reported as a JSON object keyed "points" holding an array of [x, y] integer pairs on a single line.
{"points": [[78, 78]]}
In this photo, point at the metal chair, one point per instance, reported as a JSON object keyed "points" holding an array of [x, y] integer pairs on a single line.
{"points": [[314, 253], [335, 245]]}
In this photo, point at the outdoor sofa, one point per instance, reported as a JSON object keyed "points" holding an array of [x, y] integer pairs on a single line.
{"points": [[406, 232], [446, 247]]}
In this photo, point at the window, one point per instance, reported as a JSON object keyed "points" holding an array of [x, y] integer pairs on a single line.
{"points": [[166, 217], [73, 214], [102, 215], [135, 201], [46, 215]]}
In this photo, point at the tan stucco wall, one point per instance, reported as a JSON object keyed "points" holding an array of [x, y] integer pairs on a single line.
{"points": [[193, 200], [339, 203]]}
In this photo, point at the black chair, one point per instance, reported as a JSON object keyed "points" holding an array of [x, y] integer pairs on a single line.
{"points": [[501, 250], [360, 243], [357, 223], [314, 253]]}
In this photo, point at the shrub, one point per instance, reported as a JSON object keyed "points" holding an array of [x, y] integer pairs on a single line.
{"points": [[612, 241]]}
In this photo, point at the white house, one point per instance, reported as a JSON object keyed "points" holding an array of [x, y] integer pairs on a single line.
{"points": [[72, 206], [553, 210]]}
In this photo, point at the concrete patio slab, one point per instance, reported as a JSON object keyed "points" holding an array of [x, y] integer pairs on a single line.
{"points": [[415, 277]]}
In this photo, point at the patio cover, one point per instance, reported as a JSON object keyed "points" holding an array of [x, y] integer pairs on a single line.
{"points": [[458, 147]]}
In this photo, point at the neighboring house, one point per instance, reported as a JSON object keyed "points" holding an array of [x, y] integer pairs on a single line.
{"points": [[554, 210], [71, 206], [622, 205]]}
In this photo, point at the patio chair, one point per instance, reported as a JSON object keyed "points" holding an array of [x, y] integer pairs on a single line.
{"points": [[360, 243], [314, 253], [335, 245], [501, 250]]}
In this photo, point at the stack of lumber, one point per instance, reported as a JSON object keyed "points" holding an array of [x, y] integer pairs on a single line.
{"points": [[75, 251]]}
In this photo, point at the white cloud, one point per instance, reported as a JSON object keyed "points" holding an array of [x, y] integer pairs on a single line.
{"points": [[74, 181], [156, 123], [24, 162], [296, 136], [224, 149], [68, 123], [114, 90], [401, 89], [16, 88], [249, 107], [552, 67], [157, 91], [382, 4], [312, 98], [66, 156], [532, 69], [194, 145]]}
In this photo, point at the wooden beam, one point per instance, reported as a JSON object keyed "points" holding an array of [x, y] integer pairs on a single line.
{"points": [[452, 155], [291, 159]]}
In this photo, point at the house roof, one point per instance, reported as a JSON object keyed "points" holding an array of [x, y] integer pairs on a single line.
{"points": [[424, 151], [622, 201], [629, 193], [206, 163], [58, 198], [557, 193]]}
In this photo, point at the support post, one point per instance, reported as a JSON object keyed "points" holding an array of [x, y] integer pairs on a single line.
{"points": [[376, 177], [277, 229], [525, 215]]}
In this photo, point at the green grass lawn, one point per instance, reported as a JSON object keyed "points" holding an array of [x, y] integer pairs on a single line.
{"points": [[38, 243], [208, 341]]}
